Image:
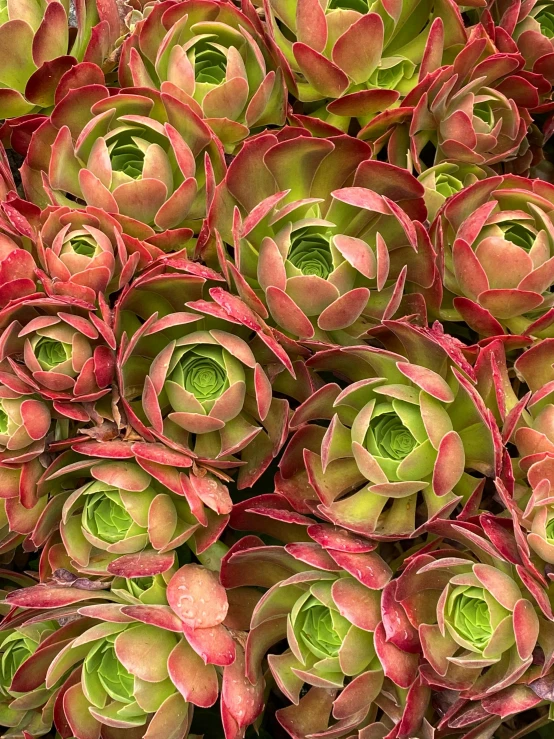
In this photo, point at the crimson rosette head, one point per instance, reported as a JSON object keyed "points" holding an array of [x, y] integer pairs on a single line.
{"points": [[320, 47], [327, 247], [529, 427], [113, 499], [475, 111], [25, 422], [405, 436], [503, 220], [193, 376], [83, 253], [18, 268], [323, 594], [528, 29], [75, 254], [59, 349], [141, 155], [482, 612], [212, 57]]}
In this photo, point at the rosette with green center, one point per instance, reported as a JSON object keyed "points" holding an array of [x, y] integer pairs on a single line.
{"points": [[112, 690], [120, 499], [192, 376], [214, 59], [42, 47], [321, 46], [22, 710], [137, 664], [447, 179], [499, 220], [138, 155], [324, 594], [480, 615], [204, 372], [403, 435], [125, 676], [327, 247]]}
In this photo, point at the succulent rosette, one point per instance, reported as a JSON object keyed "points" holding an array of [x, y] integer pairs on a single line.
{"points": [[213, 58], [276, 369], [323, 594], [447, 179], [320, 46], [75, 254], [324, 248], [536, 512], [84, 254], [17, 711], [42, 50], [98, 675], [194, 377], [119, 499], [475, 111], [480, 612], [60, 350], [133, 662], [18, 278], [528, 425], [408, 436], [500, 217], [25, 424], [141, 155], [529, 30]]}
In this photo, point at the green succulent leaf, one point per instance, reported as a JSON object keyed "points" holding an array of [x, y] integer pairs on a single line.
{"points": [[126, 155], [520, 235], [320, 629], [546, 19], [105, 516], [550, 531], [469, 615], [51, 353], [105, 676], [210, 63], [4, 420], [361, 6], [447, 184], [202, 372], [81, 243], [388, 437], [310, 251]]}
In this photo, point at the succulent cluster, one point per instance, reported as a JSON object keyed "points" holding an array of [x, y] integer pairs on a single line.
{"points": [[276, 369]]}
